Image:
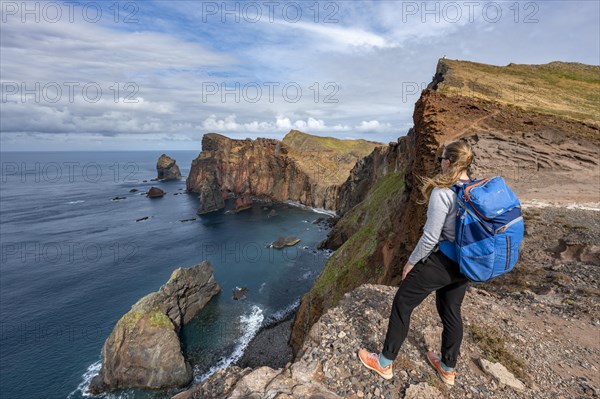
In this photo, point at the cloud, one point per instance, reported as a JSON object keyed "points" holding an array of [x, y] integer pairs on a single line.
{"points": [[346, 36], [152, 73], [373, 126], [283, 124]]}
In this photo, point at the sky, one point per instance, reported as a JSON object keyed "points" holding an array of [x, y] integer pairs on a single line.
{"points": [[157, 75]]}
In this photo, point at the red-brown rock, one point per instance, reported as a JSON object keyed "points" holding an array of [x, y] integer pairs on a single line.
{"points": [[155, 192]]}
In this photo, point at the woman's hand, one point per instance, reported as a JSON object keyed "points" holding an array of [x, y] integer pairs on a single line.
{"points": [[407, 268]]}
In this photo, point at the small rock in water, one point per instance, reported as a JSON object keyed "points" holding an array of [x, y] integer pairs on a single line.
{"points": [[142, 219], [134, 190], [285, 242], [155, 192], [118, 198], [239, 293]]}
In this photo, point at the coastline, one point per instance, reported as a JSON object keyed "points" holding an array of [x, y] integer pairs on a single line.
{"points": [[310, 208], [270, 345]]}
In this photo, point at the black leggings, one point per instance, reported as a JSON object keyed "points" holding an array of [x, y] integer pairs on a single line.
{"points": [[440, 274]]}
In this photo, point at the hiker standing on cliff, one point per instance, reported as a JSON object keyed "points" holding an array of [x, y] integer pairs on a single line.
{"points": [[429, 269]]}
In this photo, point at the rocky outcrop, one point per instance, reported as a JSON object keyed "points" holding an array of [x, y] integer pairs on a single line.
{"points": [[239, 293], [504, 354], [301, 168], [285, 242], [167, 168], [143, 350], [155, 192], [549, 155]]}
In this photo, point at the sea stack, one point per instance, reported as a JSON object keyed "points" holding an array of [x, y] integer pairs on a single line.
{"points": [[143, 350], [167, 168]]}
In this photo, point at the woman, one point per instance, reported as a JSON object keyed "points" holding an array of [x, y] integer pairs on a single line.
{"points": [[430, 269]]}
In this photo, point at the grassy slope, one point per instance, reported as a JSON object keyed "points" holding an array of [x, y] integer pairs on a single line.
{"points": [[351, 265], [566, 89], [308, 142], [326, 159]]}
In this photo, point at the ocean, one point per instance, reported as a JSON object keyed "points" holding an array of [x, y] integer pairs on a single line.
{"points": [[75, 258]]}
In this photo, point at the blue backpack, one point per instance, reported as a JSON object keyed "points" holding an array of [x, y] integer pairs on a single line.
{"points": [[489, 229]]}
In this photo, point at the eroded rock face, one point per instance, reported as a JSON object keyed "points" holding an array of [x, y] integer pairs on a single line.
{"points": [[300, 168], [167, 168], [540, 156], [144, 350]]}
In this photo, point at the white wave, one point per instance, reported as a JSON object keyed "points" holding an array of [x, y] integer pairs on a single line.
{"points": [[262, 287], [83, 386], [250, 324], [282, 314], [90, 373], [75, 202], [305, 275], [317, 210]]}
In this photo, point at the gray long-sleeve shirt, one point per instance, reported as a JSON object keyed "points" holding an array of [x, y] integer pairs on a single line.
{"points": [[441, 220]]}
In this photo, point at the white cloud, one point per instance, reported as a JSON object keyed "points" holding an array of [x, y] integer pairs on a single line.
{"points": [[369, 54], [373, 126], [283, 124], [355, 37]]}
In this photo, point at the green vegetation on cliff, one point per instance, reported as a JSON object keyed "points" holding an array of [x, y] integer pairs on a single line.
{"points": [[368, 222], [307, 142], [566, 89], [326, 160]]}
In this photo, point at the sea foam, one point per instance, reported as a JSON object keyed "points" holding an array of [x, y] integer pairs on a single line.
{"points": [[250, 324], [317, 210]]}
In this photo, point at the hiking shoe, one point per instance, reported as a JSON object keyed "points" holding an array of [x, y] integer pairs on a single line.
{"points": [[446, 376], [371, 361]]}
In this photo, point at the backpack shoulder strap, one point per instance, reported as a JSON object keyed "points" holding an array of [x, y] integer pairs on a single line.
{"points": [[456, 188]]}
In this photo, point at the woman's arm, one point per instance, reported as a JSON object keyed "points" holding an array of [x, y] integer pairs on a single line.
{"points": [[439, 205]]}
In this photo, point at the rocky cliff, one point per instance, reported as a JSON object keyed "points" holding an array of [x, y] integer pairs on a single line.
{"points": [[167, 169], [546, 146], [302, 168], [529, 334], [532, 334], [143, 350]]}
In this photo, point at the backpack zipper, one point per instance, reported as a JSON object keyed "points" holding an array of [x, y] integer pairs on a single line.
{"points": [[464, 206], [506, 226], [507, 252]]}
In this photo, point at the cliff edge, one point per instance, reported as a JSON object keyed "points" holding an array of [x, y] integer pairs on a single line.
{"points": [[529, 334], [544, 153], [302, 168]]}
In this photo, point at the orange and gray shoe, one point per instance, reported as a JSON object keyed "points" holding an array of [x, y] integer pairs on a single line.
{"points": [[446, 376], [371, 361]]}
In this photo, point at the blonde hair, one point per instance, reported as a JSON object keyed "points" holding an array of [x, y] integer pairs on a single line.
{"points": [[460, 155]]}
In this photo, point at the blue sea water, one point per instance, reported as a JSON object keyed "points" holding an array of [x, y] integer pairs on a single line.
{"points": [[74, 260]]}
